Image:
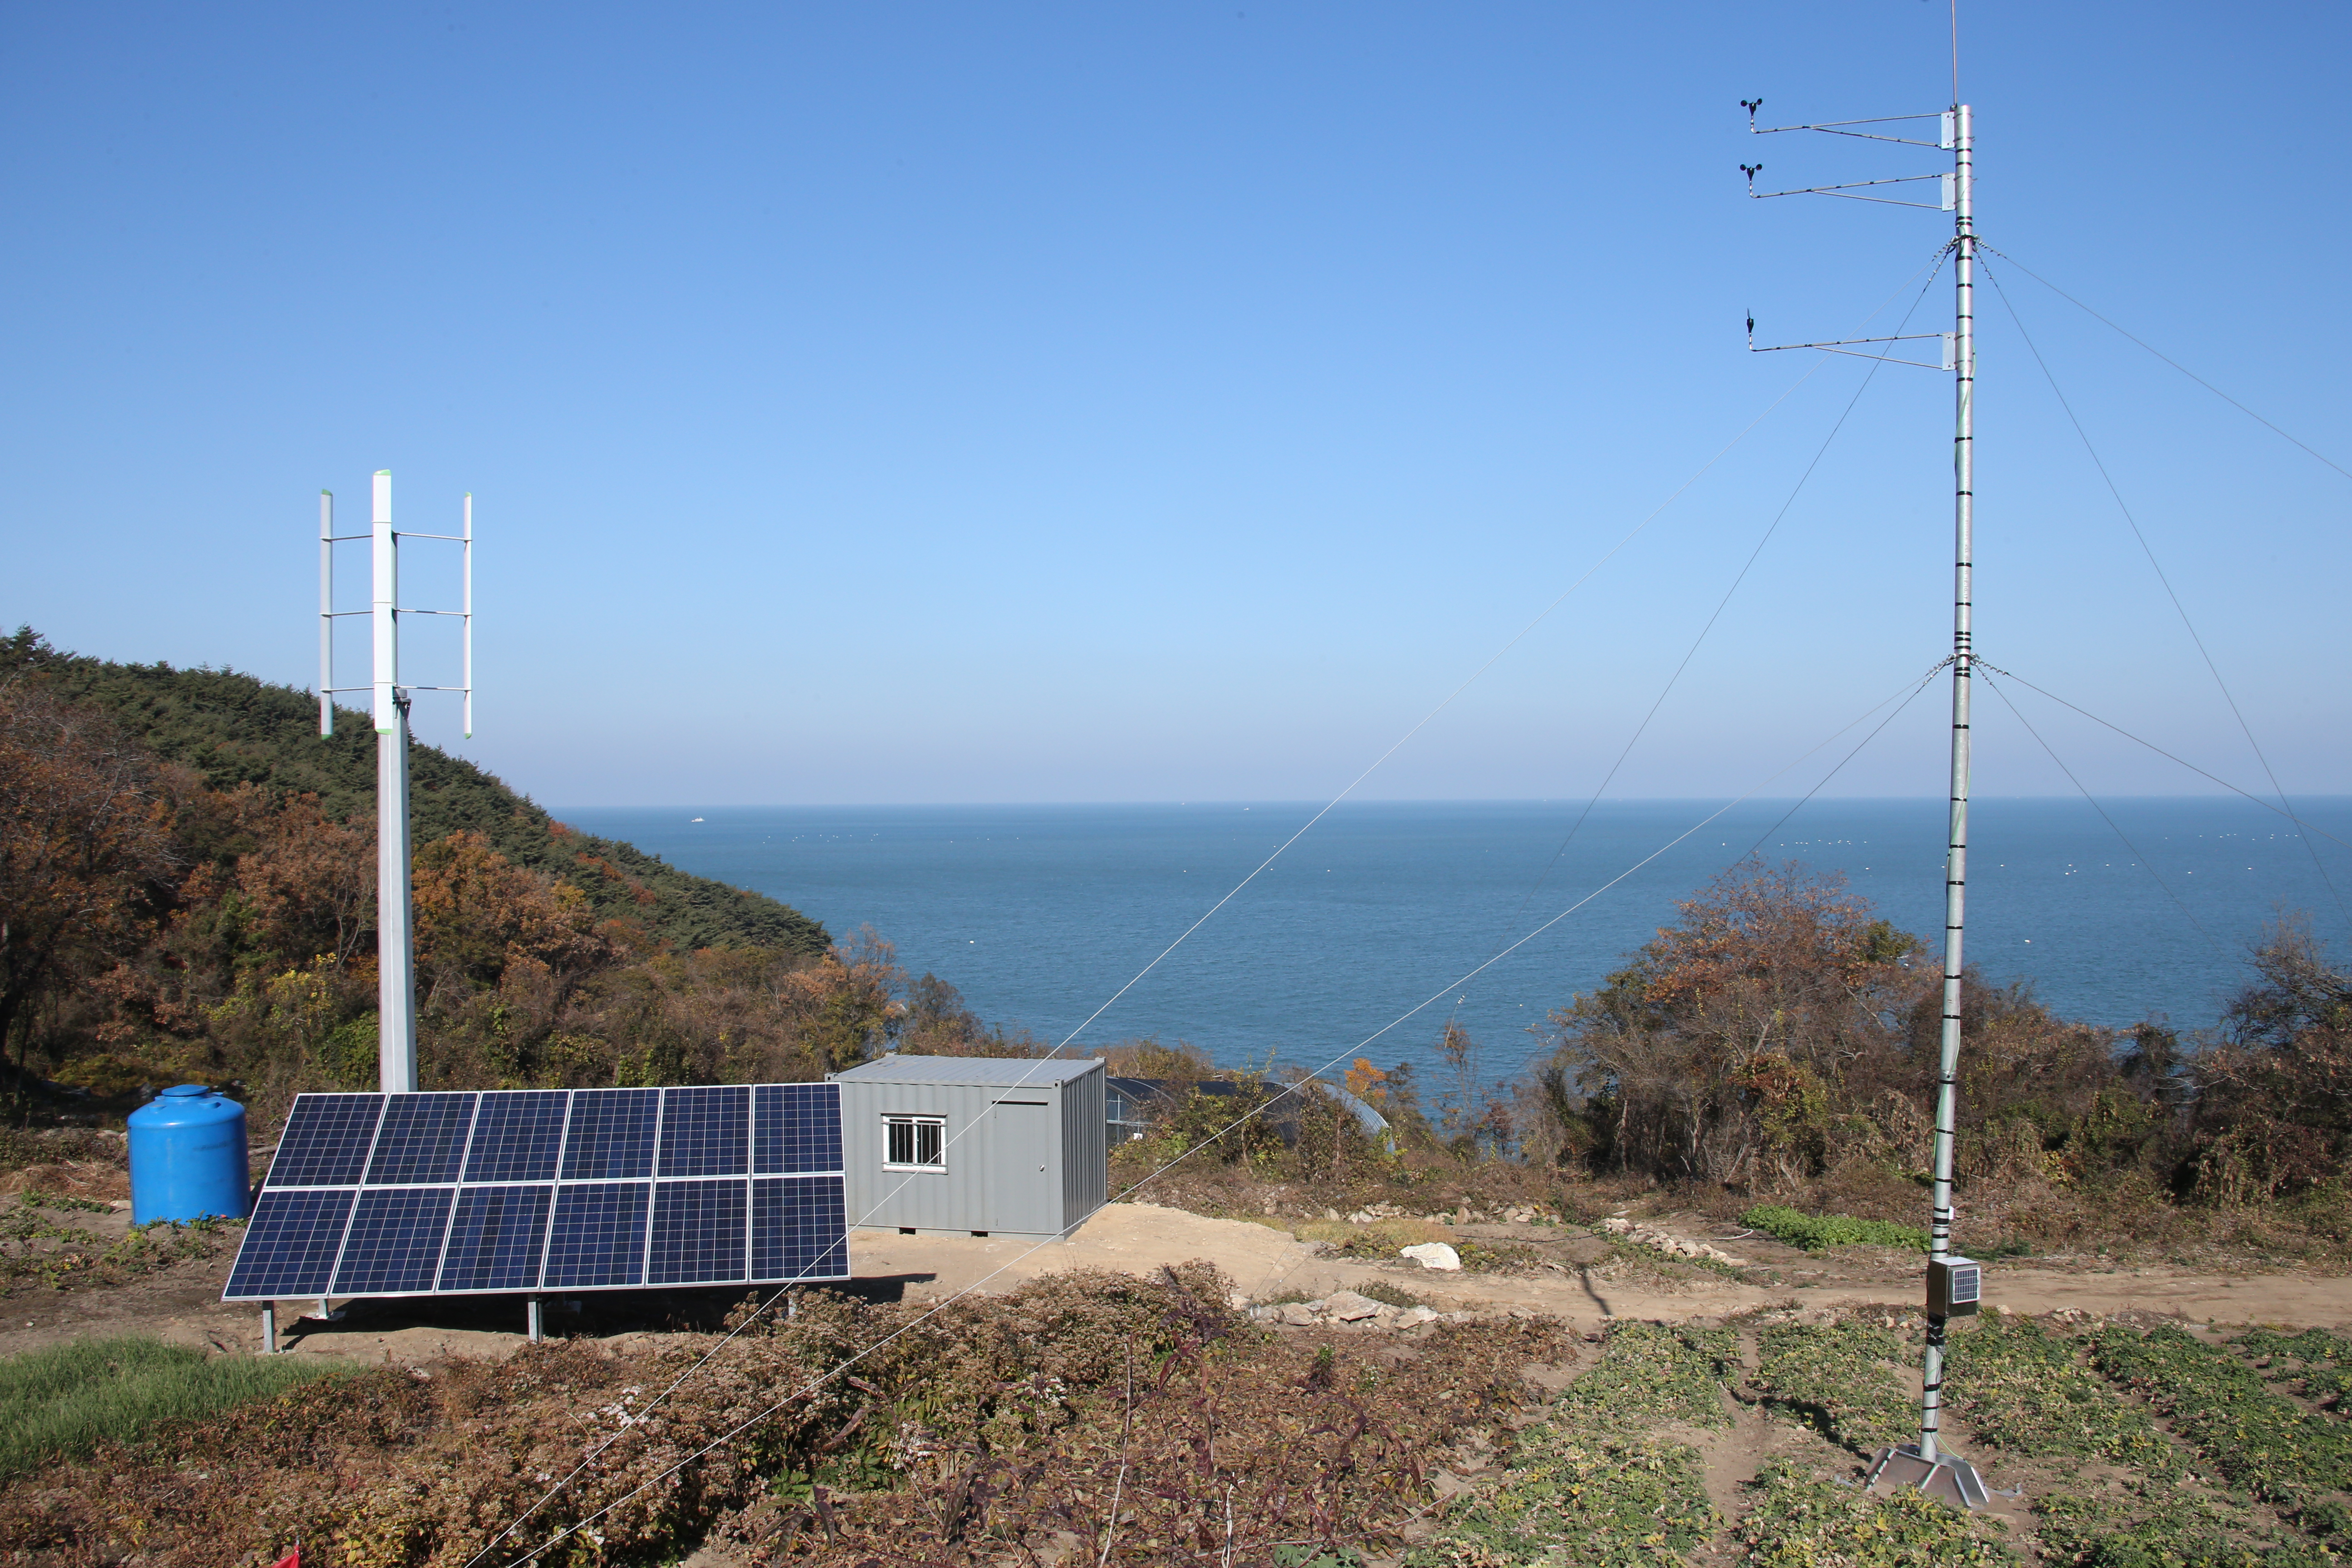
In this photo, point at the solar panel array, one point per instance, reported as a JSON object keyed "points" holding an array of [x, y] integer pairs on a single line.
{"points": [[548, 1190]]}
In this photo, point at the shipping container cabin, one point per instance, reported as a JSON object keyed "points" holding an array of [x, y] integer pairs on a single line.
{"points": [[974, 1145]]}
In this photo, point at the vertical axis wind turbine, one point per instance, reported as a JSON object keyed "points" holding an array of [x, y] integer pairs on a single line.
{"points": [[1954, 1283], [396, 936]]}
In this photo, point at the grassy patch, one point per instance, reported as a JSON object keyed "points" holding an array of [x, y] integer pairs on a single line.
{"points": [[1845, 1378], [63, 1402], [2167, 1527], [1819, 1233], [2022, 1389], [2266, 1444], [1592, 1485], [2314, 1363], [1650, 1373], [1609, 1500], [1800, 1522]]}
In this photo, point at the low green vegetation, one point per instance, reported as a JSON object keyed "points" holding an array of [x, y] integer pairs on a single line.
{"points": [[1611, 1499], [2263, 1444], [2164, 1527], [1819, 1233], [38, 1250], [1595, 1484], [63, 1402], [1650, 1375], [65, 1203], [1845, 1379], [2314, 1363], [2025, 1391], [1798, 1520]]}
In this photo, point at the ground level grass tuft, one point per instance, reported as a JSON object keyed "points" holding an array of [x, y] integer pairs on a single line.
{"points": [[1798, 1520], [2024, 1389], [1608, 1500], [1845, 1379], [1818, 1233], [2164, 1528], [64, 1401]]}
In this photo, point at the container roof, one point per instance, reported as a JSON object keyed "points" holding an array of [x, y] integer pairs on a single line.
{"points": [[992, 1072]]}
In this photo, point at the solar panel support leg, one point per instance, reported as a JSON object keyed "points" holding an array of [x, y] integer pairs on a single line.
{"points": [[270, 1328], [532, 1318]]}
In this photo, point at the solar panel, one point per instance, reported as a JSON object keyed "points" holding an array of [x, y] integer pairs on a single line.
{"points": [[555, 1190]]}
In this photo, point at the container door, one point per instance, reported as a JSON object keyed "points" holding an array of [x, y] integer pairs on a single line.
{"points": [[1024, 1191]]}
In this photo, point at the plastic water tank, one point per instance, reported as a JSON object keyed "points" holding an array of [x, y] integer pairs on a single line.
{"points": [[187, 1156]]}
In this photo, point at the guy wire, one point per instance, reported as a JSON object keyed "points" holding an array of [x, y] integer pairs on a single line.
{"points": [[2170, 593], [942, 1305], [2167, 756], [1540, 615], [1940, 666], [1934, 266], [2146, 864], [2167, 359]]}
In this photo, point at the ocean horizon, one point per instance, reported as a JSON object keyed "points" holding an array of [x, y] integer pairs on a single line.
{"points": [[1356, 941]]}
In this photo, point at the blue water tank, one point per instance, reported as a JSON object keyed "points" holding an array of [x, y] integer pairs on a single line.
{"points": [[187, 1156]]}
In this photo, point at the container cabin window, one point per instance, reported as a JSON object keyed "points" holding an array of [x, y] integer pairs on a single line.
{"points": [[915, 1142]]}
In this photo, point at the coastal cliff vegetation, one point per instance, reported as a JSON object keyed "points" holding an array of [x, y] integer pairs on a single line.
{"points": [[187, 892]]}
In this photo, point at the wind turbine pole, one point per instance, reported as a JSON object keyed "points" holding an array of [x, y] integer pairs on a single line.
{"points": [[395, 953], [1956, 862]]}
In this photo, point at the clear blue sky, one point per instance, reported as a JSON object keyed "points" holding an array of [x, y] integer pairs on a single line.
{"points": [[1082, 402]]}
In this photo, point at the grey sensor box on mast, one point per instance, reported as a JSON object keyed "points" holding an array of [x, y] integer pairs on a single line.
{"points": [[1955, 1285]]}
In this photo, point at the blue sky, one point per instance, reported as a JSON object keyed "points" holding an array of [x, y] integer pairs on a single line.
{"points": [[1040, 402]]}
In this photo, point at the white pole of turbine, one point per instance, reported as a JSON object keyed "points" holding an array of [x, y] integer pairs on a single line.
{"points": [[395, 953], [326, 612], [1956, 862], [469, 551]]}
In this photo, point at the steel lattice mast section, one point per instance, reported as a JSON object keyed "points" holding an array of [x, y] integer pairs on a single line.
{"points": [[1956, 860], [396, 951]]}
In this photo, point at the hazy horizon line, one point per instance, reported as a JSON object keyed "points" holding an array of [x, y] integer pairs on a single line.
{"points": [[1249, 803]]}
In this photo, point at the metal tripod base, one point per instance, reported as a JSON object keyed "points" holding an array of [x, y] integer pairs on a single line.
{"points": [[1948, 1478]]}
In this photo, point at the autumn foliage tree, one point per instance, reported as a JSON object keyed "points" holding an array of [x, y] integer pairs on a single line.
{"points": [[85, 855], [2272, 1112], [168, 929], [1717, 1052]]}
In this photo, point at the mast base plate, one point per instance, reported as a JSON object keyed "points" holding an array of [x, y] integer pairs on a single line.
{"points": [[1946, 1478]]}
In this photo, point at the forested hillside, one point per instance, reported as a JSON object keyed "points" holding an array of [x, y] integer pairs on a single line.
{"points": [[188, 891], [233, 730]]}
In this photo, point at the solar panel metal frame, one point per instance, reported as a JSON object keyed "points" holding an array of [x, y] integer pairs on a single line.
{"points": [[789, 1213]]}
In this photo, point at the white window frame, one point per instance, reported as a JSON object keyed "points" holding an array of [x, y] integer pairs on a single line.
{"points": [[916, 1121]]}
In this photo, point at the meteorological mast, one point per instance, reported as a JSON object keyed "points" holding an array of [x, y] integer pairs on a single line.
{"points": [[1953, 1282]]}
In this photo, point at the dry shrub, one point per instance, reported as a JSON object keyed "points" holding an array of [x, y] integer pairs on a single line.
{"points": [[74, 1178], [82, 1161], [957, 1433]]}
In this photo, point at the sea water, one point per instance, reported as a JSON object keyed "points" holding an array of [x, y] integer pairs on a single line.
{"points": [[1100, 924]]}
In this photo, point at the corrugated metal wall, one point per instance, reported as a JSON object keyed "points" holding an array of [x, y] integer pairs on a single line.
{"points": [[1086, 1148]]}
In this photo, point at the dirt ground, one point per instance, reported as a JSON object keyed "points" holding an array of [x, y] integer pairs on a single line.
{"points": [[1581, 1279]]}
